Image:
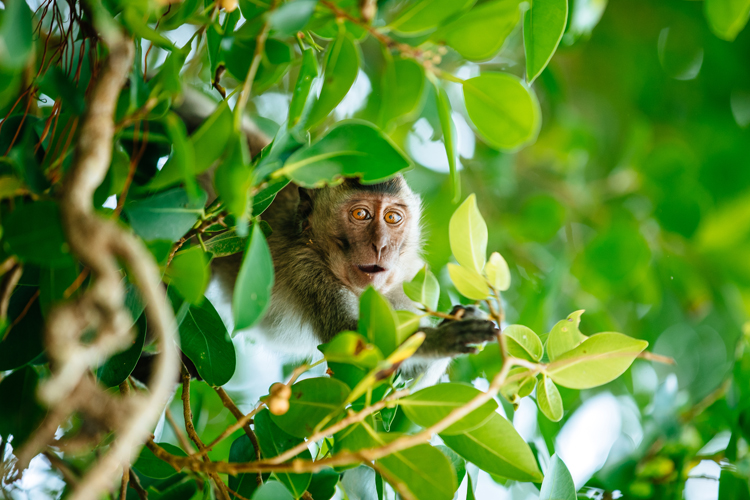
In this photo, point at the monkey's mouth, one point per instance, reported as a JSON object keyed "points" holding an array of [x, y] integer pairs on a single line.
{"points": [[371, 269]]}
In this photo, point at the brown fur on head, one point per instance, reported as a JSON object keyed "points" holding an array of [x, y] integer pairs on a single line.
{"points": [[375, 228]]}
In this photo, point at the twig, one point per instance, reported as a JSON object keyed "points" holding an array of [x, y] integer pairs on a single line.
{"points": [[178, 432], [58, 463], [135, 483], [124, 483], [10, 280], [229, 404]]}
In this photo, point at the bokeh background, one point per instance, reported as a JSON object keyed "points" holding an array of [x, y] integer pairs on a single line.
{"points": [[633, 204]]}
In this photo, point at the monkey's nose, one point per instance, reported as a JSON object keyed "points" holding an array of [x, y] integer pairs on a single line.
{"points": [[378, 250]]}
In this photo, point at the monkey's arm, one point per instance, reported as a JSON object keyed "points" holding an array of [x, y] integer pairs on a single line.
{"points": [[453, 337]]}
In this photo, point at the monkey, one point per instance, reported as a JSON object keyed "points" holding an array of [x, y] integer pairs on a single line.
{"points": [[328, 245]]}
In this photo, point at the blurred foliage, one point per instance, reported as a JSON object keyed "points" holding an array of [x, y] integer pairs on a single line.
{"points": [[618, 183]]}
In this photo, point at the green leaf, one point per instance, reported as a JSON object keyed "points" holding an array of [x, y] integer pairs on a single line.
{"points": [[404, 88], [252, 292], [458, 463], [24, 342], [505, 112], [423, 470], [152, 466], [520, 383], [233, 179], [291, 17], [548, 399], [189, 274], [470, 284], [242, 450], [496, 447], [165, 216], [308, 71], [205, 340], [42, 242], [377, 321], [265, 196], [323, 484], [408, 323], [497, 272], [450, 136], [479, 34], [565, 335], [432, 404], [118, 367], [423, 15], [543, 27], [312, 400], [558, 483], [16, 35], [526, 340], [339, 72], [138, 26], [212, 137], [273, 442], [53, 282], [276, 60], [599, 359], [226, 243], [468, 235], [353, 348], [20, 414], [56, 84], [349, 149], [273, 490], [727, 18], [423, 289]]}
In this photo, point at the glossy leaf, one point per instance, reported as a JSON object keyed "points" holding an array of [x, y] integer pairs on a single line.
{"points": [[349, 149], [226, 243], [252, 292], [479, 34], [312, 400], [189, 274], [525, 338], [599, 359], [291, 17], [22, 337], [165, 216], [339, 72], [424, 15], [43, 242], [300, 97], [458, 463], [118, 367], [423, 470], [377, 321], [430, 405], [450, 136], [152, 466], [558, 483], [242, 450], [265, 196], [496, 447], [273, 441], [548, 399], [205, 340], [468, 282], [351, 347], [408, 323], [543, 26], [468, 235], [323, 484], [497, 272], [505, 112], [565, 335], [727, 17], [423, 289]]}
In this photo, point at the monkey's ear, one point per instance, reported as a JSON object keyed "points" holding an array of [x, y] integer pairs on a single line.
{"points": [[305, 207]]}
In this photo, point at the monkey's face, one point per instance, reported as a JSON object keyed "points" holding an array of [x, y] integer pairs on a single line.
{"points": [[372, 231]]}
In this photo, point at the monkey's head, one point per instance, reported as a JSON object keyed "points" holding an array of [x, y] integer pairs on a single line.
{"points": [[369, 234]]}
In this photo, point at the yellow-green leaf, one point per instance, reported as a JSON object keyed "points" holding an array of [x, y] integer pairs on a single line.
{"points": [[565, 335], [468, 235], [469, 283], [423, 289], [525, 338], [548, 399], [543, 27], [497, 272], [599, 359]]}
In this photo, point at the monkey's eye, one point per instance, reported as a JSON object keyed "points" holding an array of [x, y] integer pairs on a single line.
{"points": [[360, 214], [392, 218]]}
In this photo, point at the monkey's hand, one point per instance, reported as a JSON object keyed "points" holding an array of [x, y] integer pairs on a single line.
{"points": [[453, 337]]}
